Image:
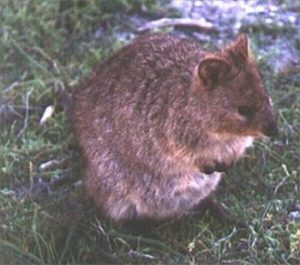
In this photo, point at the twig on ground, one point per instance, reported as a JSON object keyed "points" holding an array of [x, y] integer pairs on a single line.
{"points": [[104, 235], [47, 57], [11, 86], [27, 56], [281, 183], [26, 114], [140, 255], [202, 24]]}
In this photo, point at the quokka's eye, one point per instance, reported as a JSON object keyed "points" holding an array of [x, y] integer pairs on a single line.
{"points": [[246, 111]]}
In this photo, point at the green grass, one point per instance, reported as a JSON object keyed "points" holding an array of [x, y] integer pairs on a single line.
{"points": [[47, 46]]}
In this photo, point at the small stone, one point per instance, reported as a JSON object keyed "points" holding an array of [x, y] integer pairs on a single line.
{"points": [[294, 215]]}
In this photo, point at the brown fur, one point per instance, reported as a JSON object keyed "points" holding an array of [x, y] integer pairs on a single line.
{"points": [[157, 120]]}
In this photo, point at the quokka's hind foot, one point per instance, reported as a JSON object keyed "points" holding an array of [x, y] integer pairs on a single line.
{"points": [[219, 211], [143, 226]]}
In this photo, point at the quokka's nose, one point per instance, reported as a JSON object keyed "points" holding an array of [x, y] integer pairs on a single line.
{"points": [[271, 129]]}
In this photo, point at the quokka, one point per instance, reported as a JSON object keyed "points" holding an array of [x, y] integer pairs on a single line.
{"points": [[158, 121]]}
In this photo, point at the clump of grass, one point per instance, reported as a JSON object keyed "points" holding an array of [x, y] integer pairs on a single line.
{"points": [[46, 47]]}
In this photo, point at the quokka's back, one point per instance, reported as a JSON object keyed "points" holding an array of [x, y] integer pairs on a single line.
{"points": [[159, 119]]}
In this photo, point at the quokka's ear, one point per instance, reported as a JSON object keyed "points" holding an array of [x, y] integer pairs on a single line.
{"points": [[242, 45], [213, 70], [240, 51]]}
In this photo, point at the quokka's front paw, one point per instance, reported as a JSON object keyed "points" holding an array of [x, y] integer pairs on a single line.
{"points": [[217, 166]]}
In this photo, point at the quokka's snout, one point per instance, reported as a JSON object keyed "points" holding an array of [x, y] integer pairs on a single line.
{"points": [[266, 121], [271, 129]]}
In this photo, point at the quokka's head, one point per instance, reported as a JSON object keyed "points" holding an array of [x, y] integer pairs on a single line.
{"points": [[236, 101]]}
